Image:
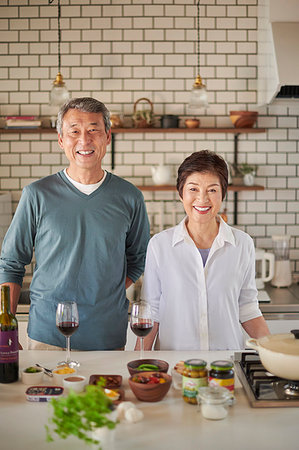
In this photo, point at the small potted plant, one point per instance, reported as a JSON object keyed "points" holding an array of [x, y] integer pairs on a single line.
{"points": [[248, 172], [81, 415]]}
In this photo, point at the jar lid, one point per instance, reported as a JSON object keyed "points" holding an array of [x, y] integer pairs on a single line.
{"points": [[195, 363], [221, 365], [213, 395]]}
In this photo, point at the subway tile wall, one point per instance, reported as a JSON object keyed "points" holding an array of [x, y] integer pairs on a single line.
{"points": [[121, 50]]}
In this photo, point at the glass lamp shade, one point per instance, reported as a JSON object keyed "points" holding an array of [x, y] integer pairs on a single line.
{"points": [[59, 93], [198, 97]]}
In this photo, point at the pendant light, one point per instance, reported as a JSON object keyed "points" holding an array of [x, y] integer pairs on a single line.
{"points": [[59, 93], [198, 97]]}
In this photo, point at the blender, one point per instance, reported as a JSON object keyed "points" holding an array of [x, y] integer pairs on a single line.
{"points": [[282, 274]]}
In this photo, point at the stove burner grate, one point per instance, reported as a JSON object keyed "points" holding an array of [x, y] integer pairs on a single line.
{"points": [[263, 388]]}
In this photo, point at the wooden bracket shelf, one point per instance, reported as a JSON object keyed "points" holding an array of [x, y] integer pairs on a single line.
{"points": [[170, 187], [235, 131]]}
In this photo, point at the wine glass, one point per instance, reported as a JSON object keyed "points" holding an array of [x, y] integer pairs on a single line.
{"points": [[67, 322], [141, 321]]}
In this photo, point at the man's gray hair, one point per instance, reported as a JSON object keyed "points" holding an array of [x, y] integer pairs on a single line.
{"points": [[85, 104]]}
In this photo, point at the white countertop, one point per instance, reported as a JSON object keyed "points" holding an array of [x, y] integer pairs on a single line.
{"points": [[169, 424]]}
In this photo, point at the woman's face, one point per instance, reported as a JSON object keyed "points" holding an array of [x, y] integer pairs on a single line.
{"points": [[202, 197]]}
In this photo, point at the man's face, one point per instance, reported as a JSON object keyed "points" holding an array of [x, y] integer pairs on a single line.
{"points": [[84, 140]]}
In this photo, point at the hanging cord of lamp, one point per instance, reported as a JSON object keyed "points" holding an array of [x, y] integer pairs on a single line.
{"points": [[198, 98], [59, 93]]}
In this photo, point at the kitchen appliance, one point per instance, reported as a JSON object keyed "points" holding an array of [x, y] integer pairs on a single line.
{"points": [[264, 267], [263, 389], [282, 274]]}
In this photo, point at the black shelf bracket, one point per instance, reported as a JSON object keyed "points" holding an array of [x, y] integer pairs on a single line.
{"points": [[236, 142], [112, 151]]}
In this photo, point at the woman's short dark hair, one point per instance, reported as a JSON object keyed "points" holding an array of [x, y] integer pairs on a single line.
{"points": [[85, 104], [204, 161]]}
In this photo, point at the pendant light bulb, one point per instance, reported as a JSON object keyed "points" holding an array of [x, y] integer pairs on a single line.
{"points": [[59, 93], [199, 96]]}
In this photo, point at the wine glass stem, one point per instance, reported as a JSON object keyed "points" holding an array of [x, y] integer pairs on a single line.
{"points": [[141, 348], [68, 349]]}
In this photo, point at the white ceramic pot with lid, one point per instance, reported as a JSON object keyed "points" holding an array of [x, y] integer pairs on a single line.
{"points": [[279, 353]]}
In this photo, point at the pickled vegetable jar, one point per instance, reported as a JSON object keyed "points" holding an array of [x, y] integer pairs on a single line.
{"points": [[195, 375], [222, 374]]}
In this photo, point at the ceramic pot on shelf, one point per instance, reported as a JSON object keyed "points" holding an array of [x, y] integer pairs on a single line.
{"points": [[161, 174]]}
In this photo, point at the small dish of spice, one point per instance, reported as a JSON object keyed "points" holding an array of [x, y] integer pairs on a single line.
{"points": [[75, 382], [32, 375]]}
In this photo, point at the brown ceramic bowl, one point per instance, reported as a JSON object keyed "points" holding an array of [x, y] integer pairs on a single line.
{"points": [[243, 119], [133, 365], [150, 392]]}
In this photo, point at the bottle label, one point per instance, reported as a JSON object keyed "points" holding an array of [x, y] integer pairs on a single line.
{"points": [[228, 383], [9, 347], [191, 385]]}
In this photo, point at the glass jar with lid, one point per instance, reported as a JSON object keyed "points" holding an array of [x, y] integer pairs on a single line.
{"points": [[214, 402], [195, 375], [222, 374]]}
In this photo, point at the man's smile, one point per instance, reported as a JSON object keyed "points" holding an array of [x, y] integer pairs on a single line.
{"points": [[85, 152]]}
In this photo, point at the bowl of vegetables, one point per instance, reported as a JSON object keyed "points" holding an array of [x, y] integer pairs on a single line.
{"points": [[147, 365], [32, 375], [150, 386]]}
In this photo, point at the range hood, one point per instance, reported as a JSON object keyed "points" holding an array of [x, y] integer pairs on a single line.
{"points": [[278, 53]]}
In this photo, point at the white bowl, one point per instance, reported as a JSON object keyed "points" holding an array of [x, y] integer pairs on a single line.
{"points": [[32, 378], [59, 377], [75, 382]]}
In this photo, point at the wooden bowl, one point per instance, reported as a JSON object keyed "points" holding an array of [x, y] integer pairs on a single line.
{"points": [[150, 392], [132, 365], [111, 381], [243, 119]]}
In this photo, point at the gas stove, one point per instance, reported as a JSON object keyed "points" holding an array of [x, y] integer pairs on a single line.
{"points": [[263, 389]]}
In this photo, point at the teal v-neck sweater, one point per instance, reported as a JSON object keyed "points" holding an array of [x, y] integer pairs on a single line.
{"points": [[85, 246]]}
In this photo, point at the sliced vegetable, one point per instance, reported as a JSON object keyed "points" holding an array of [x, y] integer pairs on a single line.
{"points": [[147, 367], [32, 370]]}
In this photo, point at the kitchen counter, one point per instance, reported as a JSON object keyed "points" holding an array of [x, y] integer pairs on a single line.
{"points": [[283, 300], [171, 423]]}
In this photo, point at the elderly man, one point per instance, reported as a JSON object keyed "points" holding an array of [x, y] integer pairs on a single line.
{"points": [[89, 231]]}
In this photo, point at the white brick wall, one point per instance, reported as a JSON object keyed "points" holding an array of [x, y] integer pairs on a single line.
{"points": [[122, 50]]}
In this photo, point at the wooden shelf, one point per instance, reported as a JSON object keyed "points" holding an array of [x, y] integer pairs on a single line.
{"points": [[144, 130], [169, 187], [114, 131], [27, 130], [188, 130]]}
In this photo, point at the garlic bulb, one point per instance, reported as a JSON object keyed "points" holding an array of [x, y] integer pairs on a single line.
{"points": [[133, 415]]}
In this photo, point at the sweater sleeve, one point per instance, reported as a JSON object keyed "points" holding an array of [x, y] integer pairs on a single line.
{"points": [[137, 240], [17, 247]]}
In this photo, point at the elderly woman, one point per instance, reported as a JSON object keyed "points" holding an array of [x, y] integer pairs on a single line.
{"points": [[200, 275]]}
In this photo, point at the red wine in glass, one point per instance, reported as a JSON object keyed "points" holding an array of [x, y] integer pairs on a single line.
{"points": [[67, 322], [67, 328], [142, 329], [141, 321]]}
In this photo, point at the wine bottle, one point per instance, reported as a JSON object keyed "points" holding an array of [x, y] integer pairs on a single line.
{"points": [[9, 344]]}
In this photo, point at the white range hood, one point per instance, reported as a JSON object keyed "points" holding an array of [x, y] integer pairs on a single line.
{"points": [[278, 53]]}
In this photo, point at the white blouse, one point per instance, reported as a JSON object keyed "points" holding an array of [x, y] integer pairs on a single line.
{"points": [[201, 308]]}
